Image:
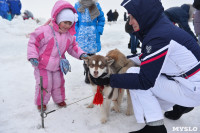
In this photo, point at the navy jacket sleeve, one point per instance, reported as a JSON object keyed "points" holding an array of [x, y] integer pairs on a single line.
{"points": [[127, 81], [149, 70]]}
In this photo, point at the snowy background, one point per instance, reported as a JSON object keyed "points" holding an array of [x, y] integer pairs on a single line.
{"points": [[42, 8], [18, 114]]}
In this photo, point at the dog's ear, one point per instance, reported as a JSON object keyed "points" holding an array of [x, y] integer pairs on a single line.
{"points": [[109, 61]]}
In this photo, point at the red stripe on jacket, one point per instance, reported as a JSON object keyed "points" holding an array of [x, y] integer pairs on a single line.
{"points": [[153, 59]]}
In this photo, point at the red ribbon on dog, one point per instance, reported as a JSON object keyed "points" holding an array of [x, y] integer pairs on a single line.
{"points": [[98, 98]]}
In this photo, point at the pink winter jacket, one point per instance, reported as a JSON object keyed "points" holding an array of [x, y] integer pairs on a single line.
{"points": [[42, 44]]}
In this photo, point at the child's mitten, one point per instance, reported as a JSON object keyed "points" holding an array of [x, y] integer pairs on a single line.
{"points": [[34, 62]]}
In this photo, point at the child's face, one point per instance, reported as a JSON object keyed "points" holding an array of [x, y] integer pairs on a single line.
{"points": [[65, 26]]}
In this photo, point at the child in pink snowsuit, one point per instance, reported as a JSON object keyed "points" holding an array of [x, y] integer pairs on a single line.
{"points": [[44, 56]]}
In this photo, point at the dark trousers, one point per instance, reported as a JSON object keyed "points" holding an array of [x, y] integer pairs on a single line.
{"points": [[134, 43], [86, 70]]}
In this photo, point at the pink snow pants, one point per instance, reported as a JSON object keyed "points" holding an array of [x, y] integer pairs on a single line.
{"points": [[53, 82]]}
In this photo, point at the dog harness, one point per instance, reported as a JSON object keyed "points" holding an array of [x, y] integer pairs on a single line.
{"points": [[102, 80]]}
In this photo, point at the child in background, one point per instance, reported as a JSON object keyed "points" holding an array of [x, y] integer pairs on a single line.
{"points": [[89, 27], [43, 52], [4, 9], [27, 14]]}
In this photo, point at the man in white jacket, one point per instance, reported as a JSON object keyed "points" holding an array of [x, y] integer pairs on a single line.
{"points": [[169, 66]]}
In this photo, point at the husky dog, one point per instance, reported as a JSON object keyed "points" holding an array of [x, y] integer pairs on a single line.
{"points": [[100, 68], [120, 65]]}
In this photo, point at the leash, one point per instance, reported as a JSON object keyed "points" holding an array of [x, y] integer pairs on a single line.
{"points": [[46, 113], [122, 67]]}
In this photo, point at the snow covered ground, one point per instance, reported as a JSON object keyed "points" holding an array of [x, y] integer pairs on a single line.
{"points": [[18, 114]]}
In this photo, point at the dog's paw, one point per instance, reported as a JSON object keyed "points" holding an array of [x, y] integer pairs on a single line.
{"points": [[116, 109], [103, 120], [129, 112], [90, 106]]}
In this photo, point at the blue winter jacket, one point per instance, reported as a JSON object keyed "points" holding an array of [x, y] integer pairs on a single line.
{"points": [[156, 32], [88, 31], [180, 15], [4, 9], [15, 6]]}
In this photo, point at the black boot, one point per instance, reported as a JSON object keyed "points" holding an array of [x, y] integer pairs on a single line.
{"points": [[138, 45], [177, 112], [152, 129], [129, 44], [86, 70]]}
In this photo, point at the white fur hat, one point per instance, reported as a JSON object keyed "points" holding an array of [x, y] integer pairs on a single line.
{"points": [[66, 15]]}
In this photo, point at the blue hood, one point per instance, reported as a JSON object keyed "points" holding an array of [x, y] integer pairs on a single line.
{"points": [[146, 12], [186, 7]]}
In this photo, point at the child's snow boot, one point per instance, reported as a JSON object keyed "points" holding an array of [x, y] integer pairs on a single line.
{"points": [[62, 104], [152, 129], [44, 107]]}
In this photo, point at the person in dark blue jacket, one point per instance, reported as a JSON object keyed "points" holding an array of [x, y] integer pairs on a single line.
{"points": [[115, 15], [110, 16], [125, 16], [134, 42], [169, 71], [181, 15], [4, 9], [15, 7]]}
